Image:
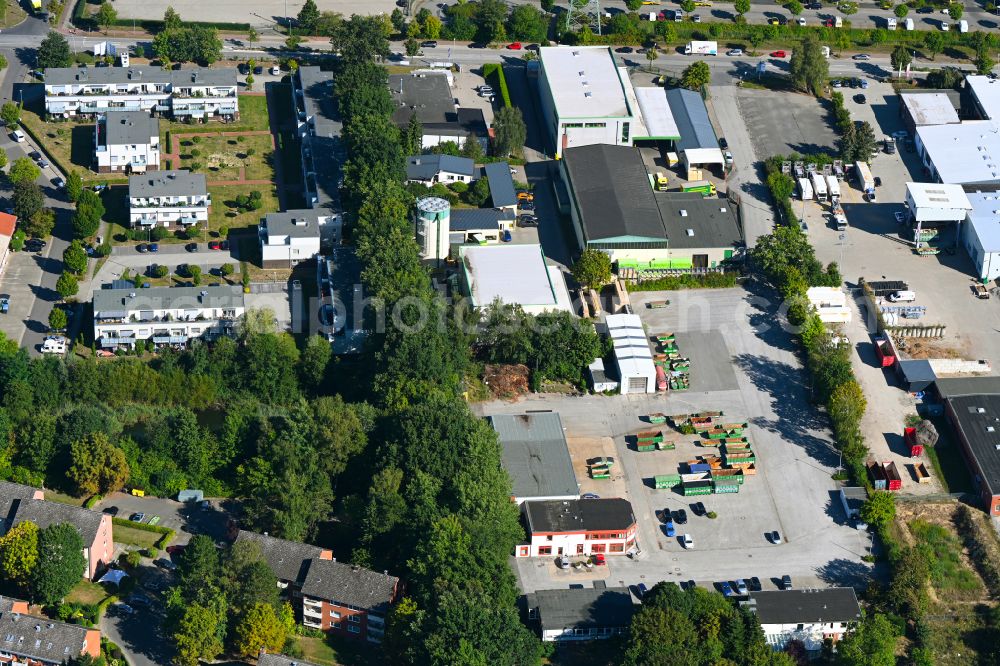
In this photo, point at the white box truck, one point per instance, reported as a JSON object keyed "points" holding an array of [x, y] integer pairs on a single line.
{"points": [[890, 23], [838, 22], [908, 24], [833, 187], [805, 189], [819, 186], [701, 48]]}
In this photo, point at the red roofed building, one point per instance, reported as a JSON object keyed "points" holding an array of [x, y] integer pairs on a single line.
{"points": [[7, 225]]}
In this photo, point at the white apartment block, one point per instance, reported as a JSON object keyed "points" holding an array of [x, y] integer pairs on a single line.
{"points": [[295, 235], [200, 93], [166, 315], [168, 198], [810, 615], [127, 142]]}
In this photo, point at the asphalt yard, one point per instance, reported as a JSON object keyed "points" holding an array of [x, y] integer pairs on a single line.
{"points": [[781, 123], [743, 364]]}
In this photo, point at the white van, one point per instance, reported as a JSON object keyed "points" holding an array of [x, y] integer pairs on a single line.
{"points": [[18, 136], [903, 296], [275, 70]]}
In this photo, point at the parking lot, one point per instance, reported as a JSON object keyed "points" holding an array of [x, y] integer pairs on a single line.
{"points": [[185, 519], [743, 365], [781, 123], [872, 247]]}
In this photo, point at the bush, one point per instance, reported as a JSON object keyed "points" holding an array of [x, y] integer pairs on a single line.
{"points": [[150, 552], [686, 281], [458, 187]]}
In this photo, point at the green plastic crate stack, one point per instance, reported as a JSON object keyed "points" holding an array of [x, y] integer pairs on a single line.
{"points": [[697, 488], [666, 481], [723, 485]]}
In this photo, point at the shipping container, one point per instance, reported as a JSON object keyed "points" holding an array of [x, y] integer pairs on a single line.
{"points": [[645, 446], [697, 488], [728, 474], [691, 478], [650, 436], [910, 436], [666, 481], [726, 487], [883, 350], [893, 480], [699, 467]]}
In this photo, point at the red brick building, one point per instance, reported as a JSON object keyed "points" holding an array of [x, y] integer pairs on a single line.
{"points": [[347, 600]]}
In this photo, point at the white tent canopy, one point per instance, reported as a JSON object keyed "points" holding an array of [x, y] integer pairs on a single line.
{"points": [[113, 576]]}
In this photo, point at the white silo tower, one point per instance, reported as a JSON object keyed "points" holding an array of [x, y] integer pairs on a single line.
{"points": [[433, 228]]}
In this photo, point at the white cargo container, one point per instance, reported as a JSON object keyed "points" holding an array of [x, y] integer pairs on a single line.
{"points": [[819, 186], [864, 175], [805, 189], [833, 186]]}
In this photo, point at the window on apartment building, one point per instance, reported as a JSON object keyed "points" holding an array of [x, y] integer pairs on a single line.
{"points": [[548, 537], [354, 618], [545, 550], [335, 614], [354, 629]]}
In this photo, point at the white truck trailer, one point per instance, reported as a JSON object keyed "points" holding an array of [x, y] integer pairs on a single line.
{"points": [[819, 186], [833, 187], [805, 189], [701, 48]]}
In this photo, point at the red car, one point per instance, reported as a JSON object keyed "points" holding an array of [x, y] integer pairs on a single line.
{"points": [[214, 245], [599, 559], [516, 46], [777, 54]]}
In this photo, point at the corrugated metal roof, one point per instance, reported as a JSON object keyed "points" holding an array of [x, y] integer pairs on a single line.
{"points": [[693, 123], [501, 184]]}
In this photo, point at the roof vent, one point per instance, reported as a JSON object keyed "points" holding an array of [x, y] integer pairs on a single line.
{"points": [[980, 410], [580, 73], [990, 429], [684, 212], [131, 294], [576, 53], [690, 232], [588, 94], [722, 210]]}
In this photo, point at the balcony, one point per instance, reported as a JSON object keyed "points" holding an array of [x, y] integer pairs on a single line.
{"points": [[307, 622], [315, 603], [309, 611]]}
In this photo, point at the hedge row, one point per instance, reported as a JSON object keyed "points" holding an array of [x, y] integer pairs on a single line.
{"points": [[168, 534], [493, 69], [686, 281], [89, 504]]}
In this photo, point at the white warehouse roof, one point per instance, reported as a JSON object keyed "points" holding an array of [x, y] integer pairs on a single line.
{"points": [[631, 347], [935, 202], [985, 219], [930, 109], [987, 91], [585, 82], [514, 274], [965, 153], [656, 114]]}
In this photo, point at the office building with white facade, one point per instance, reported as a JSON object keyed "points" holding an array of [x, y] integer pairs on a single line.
{"points": [[811, 616], [199, 93], [127, 142], [170, 316], [168, 199]]}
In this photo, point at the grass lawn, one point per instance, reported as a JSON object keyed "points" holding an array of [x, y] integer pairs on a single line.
{"points": [[220, 157], [134, 537], [947, 461], [253, 116], [13, 14], [70, 144], [224, 213], [942, 550], [86, 592], [62, 498], [332, 651]]}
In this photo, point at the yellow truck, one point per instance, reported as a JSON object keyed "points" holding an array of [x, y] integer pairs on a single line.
{"points": [[661, 181]]}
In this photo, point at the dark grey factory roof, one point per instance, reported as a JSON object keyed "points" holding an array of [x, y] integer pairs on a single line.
{"points": [[693, 221], [691, 115], [156, 298], [586, 608], [427, 95], [129, 127], [469, 219], [55, 76], [300, 223], [951, 387], [426, 167], [833, 604], [535, 454], [176, 183], [40, 638], [44, 513], [917, 370], [472, 120], [501, 184], [613, 192], [281, 660], [10, 493], [592, 515], [978, 418], [289, 560], [351, 585]]}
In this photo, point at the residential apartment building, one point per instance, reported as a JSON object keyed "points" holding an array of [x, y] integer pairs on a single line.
{"points": [[199, 93], [26, 640], [127, 142], [94, 527], [168, 199], [289, 560], [810, 616], [8, 225], [578, 527], [433, 168], [318, 129], [166, 315], [10, 496], [347, 600], [295, 235]]}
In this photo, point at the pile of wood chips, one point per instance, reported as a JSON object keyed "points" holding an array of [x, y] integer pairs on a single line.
{"points": [[506, 381]]}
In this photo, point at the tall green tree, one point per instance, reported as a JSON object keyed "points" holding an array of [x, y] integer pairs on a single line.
{"points": [[592, 269], [808, 67], [307, 18], [74, 185], [54, 51], [361, 39], [67, 285], [509, 132], [741, 6], [934, 43], [10, 113], [871, 643], [879, 509], [19, 554], [28, 199], [107, 15], [527, 23], [60, 563], [696, 76], [171, 19], [260, 628], [22, 170], [97, 466], [75, 257], [901, 56], [89, 211], [197, 636]]}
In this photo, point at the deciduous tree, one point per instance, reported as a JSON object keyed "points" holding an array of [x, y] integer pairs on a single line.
{"points": [[75, 257], [54, 51], [307, 18], [28, 199], [871, 643], [171, 19], [592, 269], [24, 169], [10, 113], [97, 466], [67, 285], [509, 131], [198, 636], [741, 6], [879, 509], [74, 185], [57, 319], [901, 56], [696, 76], [19, 554], [106, 16], [808, 67], [60, 563], [41, 224], [89, 211], [260, 628]]}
